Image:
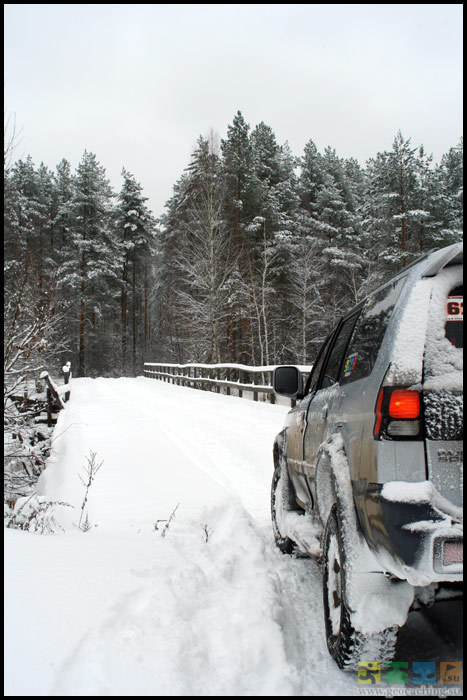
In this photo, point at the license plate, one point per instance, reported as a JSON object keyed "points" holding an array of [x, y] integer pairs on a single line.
{"points": [[453, 553]]}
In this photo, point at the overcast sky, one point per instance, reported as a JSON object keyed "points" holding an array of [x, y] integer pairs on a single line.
{"points": [[138, 84]]}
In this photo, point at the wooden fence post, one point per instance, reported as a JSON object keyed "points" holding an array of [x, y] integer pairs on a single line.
{"points": [[51, 393], [66, 369], [272, 395]]}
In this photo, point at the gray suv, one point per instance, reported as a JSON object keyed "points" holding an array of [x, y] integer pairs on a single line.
{"points": [[368, 467]]}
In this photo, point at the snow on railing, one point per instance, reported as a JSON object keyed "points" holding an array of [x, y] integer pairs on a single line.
{"points": [[54, 393], [222, 378]]}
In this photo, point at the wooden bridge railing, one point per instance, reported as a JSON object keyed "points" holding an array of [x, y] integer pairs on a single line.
{"points": [[225, 378], [54, 394]]}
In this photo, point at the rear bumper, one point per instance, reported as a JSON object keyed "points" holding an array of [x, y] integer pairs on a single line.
{"points": [[423, 534]]}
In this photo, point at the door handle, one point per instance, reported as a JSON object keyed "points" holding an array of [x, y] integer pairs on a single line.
{"points": [[324, 413]]}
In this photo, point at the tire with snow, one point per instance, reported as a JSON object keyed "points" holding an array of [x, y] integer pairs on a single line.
{"points": [[346, 645], [282, 501]]}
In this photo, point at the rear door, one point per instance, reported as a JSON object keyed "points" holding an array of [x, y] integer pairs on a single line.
{"points": [[325, 400]]}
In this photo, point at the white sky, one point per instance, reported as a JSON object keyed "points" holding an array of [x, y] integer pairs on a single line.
{"points": [[138, 84]]}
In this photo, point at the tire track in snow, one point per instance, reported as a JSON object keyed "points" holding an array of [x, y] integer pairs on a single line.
{"points": [[201, 623], [230, 440], [297, 583]]}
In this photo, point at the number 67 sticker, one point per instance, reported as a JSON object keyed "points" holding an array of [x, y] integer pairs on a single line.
{"points": [[455, 309]]}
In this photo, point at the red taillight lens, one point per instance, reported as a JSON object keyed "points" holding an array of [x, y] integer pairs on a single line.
{"points": [[404, 403], [397, 414]]}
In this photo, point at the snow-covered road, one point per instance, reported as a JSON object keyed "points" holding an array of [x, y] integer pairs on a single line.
{"points": [[211, 607]]}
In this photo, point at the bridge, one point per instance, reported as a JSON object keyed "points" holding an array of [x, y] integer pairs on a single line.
{"points": [[175, 586]]}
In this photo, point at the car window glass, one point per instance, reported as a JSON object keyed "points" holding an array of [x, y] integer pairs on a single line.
{"points": [[336, 356], [369, 332], [318, 365]]}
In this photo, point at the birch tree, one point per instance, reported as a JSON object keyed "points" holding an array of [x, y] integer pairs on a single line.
{"points": [[203, 258]]}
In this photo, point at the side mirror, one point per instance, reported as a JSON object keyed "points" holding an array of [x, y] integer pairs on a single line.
{"points": [[288, 381]]}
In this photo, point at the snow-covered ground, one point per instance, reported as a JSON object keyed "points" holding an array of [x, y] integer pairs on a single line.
{"points": [[204, 605]]}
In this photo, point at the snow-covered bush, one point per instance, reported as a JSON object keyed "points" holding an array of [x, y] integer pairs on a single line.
{"points": [[35, 514], [26, 448]]}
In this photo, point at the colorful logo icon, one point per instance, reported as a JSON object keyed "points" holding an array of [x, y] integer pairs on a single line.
{"points": [[424, 673], [450, 672], [416, 673], [369, 672], [397, 673]]}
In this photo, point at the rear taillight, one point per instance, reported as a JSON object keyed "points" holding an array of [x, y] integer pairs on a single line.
{"points": [[397, 414], [404, 403]]}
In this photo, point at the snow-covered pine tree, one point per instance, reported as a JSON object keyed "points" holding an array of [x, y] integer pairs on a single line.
{"points": [[449, 190], [330, 241], [270, 250], [63, 193], [134, 241], [166, 278], [27, 229], [90, 270], [406, 210], [307, 267], [338, 226], [392, 212], [239, 211]]}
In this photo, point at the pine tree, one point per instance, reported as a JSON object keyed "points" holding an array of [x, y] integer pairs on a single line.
{"points": [[62, 196], [406, 209], [28, 222], [90, 268], [340, 230], [134, 240], [240, 210], [270, 239], [449, 187], [308, 266], [393, 209]]}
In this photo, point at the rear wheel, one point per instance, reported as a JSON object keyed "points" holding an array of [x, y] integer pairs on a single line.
{"points": [[346, 645]]}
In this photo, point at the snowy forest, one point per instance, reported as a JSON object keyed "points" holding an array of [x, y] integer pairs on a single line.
{"points": [[257, 254]]}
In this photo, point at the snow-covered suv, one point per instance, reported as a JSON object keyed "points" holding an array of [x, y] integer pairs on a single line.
{"points": [[368, 468]]}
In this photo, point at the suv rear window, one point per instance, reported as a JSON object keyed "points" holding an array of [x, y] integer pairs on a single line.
{"points": [[369, 332]]}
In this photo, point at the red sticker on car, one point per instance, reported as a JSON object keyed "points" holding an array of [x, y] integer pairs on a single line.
{"points": [[455, 309]]}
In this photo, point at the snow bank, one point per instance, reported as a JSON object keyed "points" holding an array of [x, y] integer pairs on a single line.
{"points": [[201, 621]]}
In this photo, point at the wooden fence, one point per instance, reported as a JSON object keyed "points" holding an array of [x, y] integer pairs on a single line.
{"points": [[55, 403], [44, 403], [230, 379]]}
